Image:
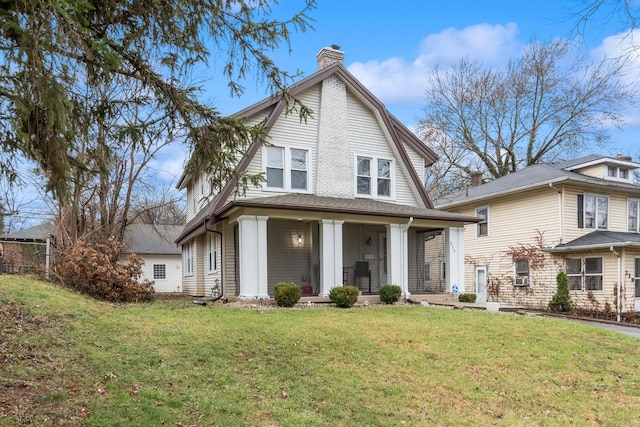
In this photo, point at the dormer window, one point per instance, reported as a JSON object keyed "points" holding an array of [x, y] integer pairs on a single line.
{"points": [[617, 173]]}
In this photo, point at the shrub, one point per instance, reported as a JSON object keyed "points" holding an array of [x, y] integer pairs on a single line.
{"points": [[561, 301], [467, 298], [96, 270], [390, 293], [287, 294], [344, 296]]}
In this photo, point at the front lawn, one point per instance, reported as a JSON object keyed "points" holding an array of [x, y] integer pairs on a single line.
{"points": [[69, 360]]}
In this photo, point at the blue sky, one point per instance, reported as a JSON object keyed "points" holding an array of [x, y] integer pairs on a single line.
{"points": [[391, 47]]}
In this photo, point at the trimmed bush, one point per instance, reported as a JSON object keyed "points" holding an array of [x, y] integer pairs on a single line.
{"points": [[287, 294], [344, 296], [390, 294], [561, 301], [467, 298]]}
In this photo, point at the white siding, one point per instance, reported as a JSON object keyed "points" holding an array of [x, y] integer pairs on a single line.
{"points": [[368, 137], [173, 268]]}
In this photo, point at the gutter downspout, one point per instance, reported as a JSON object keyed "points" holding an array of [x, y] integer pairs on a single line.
{"points": [[560, 212], [618, 290]]}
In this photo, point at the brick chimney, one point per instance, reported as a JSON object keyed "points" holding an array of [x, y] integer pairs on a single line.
{"points": [[476, 179], [329, 56], [621, 156]]}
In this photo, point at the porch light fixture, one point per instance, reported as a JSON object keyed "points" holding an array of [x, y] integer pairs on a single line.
{"points": [[299, 239], [369, 241]]}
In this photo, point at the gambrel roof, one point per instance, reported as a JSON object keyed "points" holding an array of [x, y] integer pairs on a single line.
{"points": [[275, 106]]}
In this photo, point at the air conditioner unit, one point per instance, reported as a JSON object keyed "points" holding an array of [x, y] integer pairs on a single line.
{"points": [[522, 281]]}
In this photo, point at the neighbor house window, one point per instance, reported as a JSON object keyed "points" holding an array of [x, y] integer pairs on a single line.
{"points": [[427, 271], [482, 227], [188, 259], [374, 177], [212, 252], [287, 168], [159, 272], [585, 274], [595, 211], [522, 272], [633, 207], [637, 277], [443, 270]]}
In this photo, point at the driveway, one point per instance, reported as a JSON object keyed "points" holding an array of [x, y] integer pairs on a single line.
{"points": [[634, 331]]}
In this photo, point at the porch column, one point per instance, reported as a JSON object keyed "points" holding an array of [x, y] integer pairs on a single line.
{"points": [[330, 255], [397, 257], [454, 255], [252, 233]]}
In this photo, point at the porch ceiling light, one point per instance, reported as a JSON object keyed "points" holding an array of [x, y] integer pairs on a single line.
{"points": [[299, 239]]}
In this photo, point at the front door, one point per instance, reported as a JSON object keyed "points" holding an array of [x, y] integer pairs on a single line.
{"points": [[382, 258], [637, 280], [481, 283]]}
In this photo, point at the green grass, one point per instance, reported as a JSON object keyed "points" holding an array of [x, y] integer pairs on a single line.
{"points": [[82, 362]]}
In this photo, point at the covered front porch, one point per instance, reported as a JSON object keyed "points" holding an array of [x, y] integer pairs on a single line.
{"points": [[421, 256]]}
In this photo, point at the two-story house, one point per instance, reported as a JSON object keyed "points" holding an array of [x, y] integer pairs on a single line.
{"points": [[580, 217], [342, 201]]}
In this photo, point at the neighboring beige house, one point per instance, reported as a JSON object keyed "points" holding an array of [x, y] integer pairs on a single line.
{"points": [[343, 202], [581, 217], [162, 259]]}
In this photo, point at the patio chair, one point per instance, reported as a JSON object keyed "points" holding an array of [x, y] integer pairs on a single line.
{"points": [[362, 270]]}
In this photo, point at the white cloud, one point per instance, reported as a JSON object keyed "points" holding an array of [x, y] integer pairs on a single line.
{"points": [[397, 80], [169, 163]]}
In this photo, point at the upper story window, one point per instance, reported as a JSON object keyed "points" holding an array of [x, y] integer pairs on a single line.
{"points": [[593, 211], [374, 177], [617, 173], [482, 228], [522, 272], [585, 274], [633, 208], [287, 168]]}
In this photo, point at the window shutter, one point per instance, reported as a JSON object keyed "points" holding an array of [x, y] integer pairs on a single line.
{"points": [[580, 210]]}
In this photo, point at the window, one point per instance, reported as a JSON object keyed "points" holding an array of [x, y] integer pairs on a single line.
{"points": [[637, 274], [617, 173], [212, 252], [633, 207], [299, 169], [483, 226], [595, 212], [384, 178], [159, 272], [286, 168], [522, 272], [275, 167], [374, 181], [188, 259], [427, 272], [443, 271], [585, 274], [364, 176]]}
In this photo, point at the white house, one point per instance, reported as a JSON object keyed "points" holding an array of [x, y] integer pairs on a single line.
{"points": [[162, 259], [343, 202]]}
